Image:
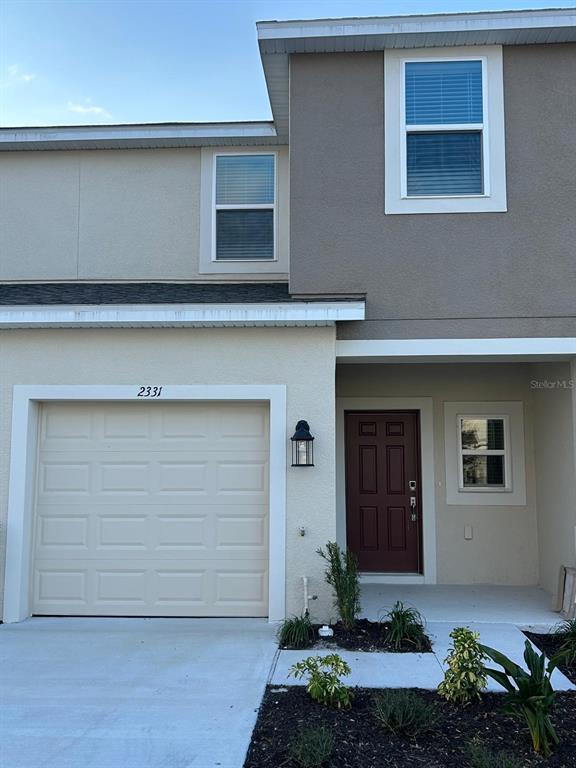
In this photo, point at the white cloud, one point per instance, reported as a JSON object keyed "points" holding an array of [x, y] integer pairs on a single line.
{"points": [[15, 75], [87, 108]]}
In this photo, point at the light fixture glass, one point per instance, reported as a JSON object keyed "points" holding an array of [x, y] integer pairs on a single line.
{"points": [[302, 446]]}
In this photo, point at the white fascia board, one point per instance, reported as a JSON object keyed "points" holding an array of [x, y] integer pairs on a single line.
{"points": [[127, 133], [181, 316], [446, 348], [412, 24]]}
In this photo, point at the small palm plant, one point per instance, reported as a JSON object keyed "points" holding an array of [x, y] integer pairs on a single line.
{"points": [[530, 693], [342, 575]]}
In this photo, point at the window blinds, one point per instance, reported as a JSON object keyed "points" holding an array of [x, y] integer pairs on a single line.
{"points": [[443, 92], [245, 180]]}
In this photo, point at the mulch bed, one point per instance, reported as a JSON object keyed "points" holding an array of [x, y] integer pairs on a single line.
{"points": [[366, 636], [550, 644], [360, 742]]}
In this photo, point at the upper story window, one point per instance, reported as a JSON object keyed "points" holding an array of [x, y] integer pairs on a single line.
{"points": [[444, 140], [443, 124], [245, 207]]}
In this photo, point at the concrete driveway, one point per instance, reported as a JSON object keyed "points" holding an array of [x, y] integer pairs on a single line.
{"points": [[131, 693]]}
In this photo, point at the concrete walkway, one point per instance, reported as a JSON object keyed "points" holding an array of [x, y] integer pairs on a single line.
{"points": [[417, 670], [131, 693]]}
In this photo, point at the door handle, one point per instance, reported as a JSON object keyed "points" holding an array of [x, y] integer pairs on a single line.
{"points": [[413, 515]]}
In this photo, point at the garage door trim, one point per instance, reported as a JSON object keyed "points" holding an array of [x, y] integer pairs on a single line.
{"points": [[25, 416]]}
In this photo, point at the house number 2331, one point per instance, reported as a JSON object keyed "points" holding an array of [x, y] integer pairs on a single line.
{"points": [[149, 392]]}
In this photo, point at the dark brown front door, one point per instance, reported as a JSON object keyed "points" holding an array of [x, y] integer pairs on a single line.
{"points": [[383, 510]]}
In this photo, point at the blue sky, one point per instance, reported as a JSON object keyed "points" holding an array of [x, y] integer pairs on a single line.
{"points": [[69, 62]]}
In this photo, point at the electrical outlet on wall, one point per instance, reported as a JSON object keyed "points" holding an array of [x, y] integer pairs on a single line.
{"points": [[468, 532]]}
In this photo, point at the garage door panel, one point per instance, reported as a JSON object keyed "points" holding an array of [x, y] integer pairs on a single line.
{"points": [[140, 426], [137, 588], [58, 531], [220, 477], [152, 509], [64, 477]]}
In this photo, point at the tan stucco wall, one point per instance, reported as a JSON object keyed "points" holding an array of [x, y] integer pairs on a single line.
{"points": [[108, 215], [303, 359], [504, 548], [555, 478]]}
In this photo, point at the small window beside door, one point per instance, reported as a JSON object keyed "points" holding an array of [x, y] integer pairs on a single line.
{"points": [[484, 453]]}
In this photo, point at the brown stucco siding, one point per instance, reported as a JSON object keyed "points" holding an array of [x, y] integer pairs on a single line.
{"points": [[508, 273]]}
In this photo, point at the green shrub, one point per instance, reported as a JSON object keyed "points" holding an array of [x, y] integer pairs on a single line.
{"points": [[403, 711], [296, 632], [342, 575], [530, 693], [567, 633], [312, 747], [465, 678], [481, 756], [324, 684], [405, 625]]}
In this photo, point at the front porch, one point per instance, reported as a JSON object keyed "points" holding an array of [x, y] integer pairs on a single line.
{"points": [[524, 607], [461, 476]]}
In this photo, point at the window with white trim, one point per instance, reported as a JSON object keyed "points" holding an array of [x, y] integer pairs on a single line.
{"points": [[444, 131], [484, 448], [245, 207], [485, 453]]}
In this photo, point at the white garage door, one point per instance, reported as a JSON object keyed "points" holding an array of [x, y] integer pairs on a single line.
{"points": [[152, 509]]}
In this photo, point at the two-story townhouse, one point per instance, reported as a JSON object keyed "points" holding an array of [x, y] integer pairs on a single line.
{"points": [[391, 260]]}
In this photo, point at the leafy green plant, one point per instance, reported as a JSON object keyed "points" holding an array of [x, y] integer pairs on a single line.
{"points": [[342, 575], [566, 631], [481, 756], [312, 747], [405, 625], [296, 632], [324, 684], [403, 711], [530, 693], [465, 678]]}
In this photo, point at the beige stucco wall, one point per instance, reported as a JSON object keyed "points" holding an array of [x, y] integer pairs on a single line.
{"points": [[555, 478], [301, 358], [504, 548], [111, 215]]}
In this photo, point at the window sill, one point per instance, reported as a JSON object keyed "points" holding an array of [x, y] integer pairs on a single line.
{"points": [[244, 261], [446, 204]]}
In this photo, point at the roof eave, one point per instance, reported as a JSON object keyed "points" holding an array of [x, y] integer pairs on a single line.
{"points": [[146, 136]]}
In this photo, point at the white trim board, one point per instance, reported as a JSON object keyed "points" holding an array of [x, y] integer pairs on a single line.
{"points": [[425, 406], [295, 313], [25, 411], [436, 349]]}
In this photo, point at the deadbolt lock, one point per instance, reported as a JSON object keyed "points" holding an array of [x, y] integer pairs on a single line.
{"points": [[412, 485]]}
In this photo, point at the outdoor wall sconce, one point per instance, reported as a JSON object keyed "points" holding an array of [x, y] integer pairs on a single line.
{"points": [[302, 446]]}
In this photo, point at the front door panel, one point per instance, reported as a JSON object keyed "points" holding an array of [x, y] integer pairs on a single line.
{"points": [[384, 515]]}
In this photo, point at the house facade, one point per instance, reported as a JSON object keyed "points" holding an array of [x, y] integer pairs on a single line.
{"points": [[392, 259]]}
